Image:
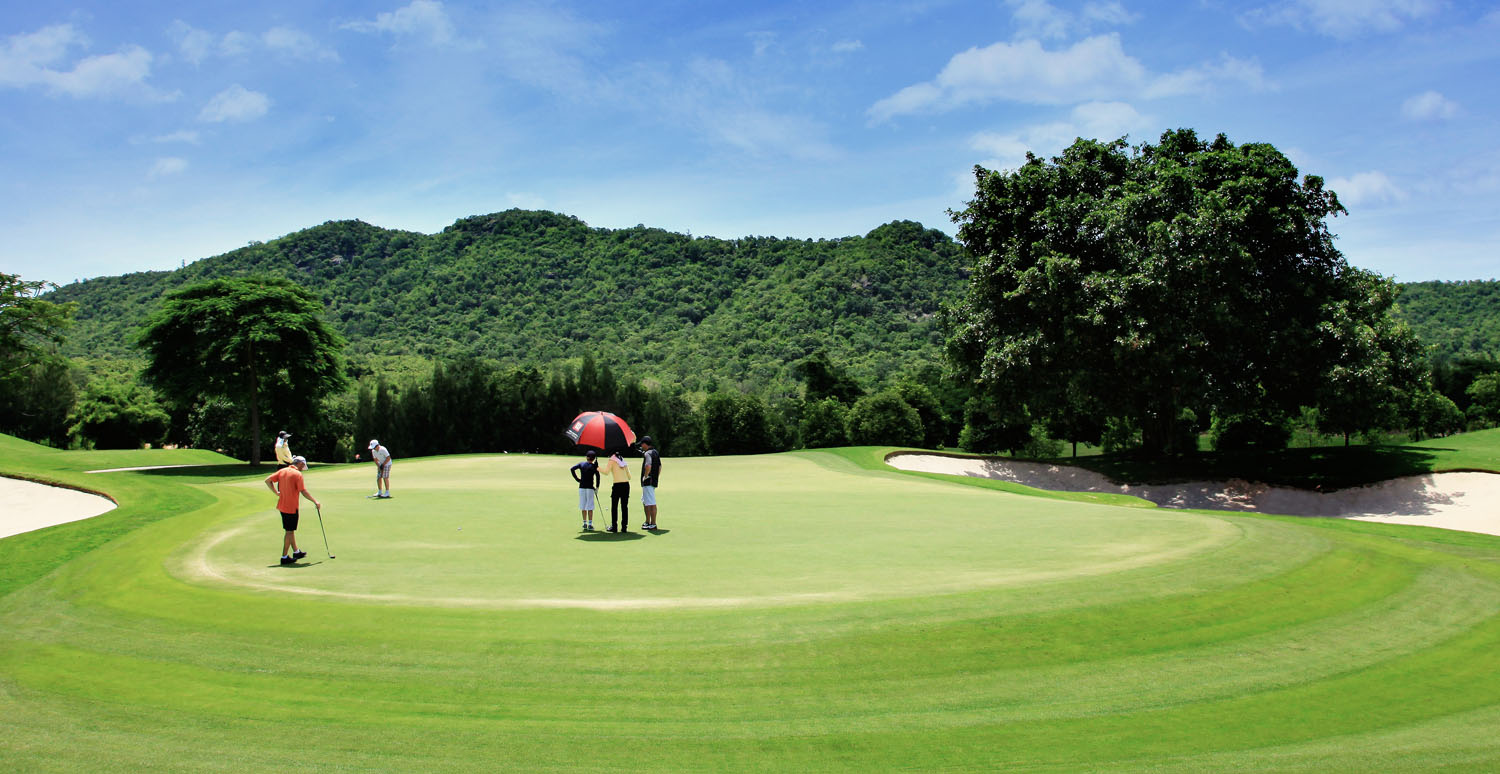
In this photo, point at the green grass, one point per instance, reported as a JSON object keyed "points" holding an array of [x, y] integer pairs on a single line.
{"points": [[806, 611]]}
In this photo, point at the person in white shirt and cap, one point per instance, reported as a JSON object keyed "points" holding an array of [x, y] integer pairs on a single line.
{"points": [[283, 448], [382, 457]]}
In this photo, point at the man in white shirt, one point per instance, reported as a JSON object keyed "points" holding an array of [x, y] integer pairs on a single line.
{"points": [[382, 457]]}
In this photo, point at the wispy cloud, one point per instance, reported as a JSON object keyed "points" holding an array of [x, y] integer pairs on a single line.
{"points": [[1429, 106], [1343, 18], [297, 44], [1040, 19], [1366, 188], [235, 104], [39, 59], [186, 135], [1095, 68], [1093, 120], [425, 20], [848, 46], [166, 167]]}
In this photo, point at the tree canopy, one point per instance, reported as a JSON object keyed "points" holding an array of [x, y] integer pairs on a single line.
{"points": [[29, 325], [244, 341], [1163, 285]]}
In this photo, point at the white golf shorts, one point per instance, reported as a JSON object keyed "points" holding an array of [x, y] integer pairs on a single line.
{"points": [[648, 495], [585, 499]]}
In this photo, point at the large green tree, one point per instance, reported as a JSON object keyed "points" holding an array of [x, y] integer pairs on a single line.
{"points": [[1168, 283], [247, 341], [29, 325]]}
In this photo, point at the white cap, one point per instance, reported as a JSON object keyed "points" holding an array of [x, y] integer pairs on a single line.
{"points": [[374, 443], [299, 460]]}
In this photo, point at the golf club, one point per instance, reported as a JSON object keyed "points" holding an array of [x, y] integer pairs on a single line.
{"points": [[324, 531]]}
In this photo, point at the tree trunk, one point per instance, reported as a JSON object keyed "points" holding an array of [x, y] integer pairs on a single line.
{"points": [[254, 412]]}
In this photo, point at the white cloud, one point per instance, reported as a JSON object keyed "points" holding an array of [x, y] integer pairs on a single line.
{"points": [[237, 104], [38, 59], [1093, 120], [1092, 69], [1095, 68], [1429, 106], [848, 46], [1206, 78], [297, 44], [1366, 188], [187, 135], [1111, 13], [164, 167], [424, 19], [1344, 18], [235, 43], [1039, 19], [194, 44]]}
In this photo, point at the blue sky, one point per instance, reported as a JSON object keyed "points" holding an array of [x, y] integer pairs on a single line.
{"points": [[136, 136]]}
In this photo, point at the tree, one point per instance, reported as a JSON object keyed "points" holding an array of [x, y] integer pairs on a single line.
{"points": [[29, 325], [119, 415], [824, 424], [826, 380], [884, 419], [243, 341], [1169, 283]]}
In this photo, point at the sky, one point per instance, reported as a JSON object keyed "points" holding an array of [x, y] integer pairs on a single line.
{"points": [[140, 136]]}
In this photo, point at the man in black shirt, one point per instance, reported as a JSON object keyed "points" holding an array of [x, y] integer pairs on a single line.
{"points": [[586, 473], [650, 474]]}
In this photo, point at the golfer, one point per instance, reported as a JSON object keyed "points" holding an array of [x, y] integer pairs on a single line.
{"points": [[382, 457], [619, 493], [283, 448], [286, 484], [650, 473], [586, 473]]}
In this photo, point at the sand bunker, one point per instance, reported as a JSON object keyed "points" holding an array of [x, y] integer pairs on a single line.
{"points": [[1469, 502], [27, 505]]}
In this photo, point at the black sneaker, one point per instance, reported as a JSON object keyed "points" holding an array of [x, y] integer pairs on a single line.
{"points": [[298, 555], [288, 560], [611, 529]]}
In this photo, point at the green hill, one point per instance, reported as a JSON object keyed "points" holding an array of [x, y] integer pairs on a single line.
{"points": [[525, 287], [1455, 319]]}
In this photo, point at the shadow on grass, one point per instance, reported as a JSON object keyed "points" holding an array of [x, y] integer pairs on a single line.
{"points": [[599, 536], [1317, 468], [210, 471], [296, 565]]}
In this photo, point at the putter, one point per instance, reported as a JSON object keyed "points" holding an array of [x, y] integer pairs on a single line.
{"points": [[324, 531]]}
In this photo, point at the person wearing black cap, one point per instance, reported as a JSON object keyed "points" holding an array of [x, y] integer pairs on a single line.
{"points": [[586, 473], [650, 474], [283, 449]]}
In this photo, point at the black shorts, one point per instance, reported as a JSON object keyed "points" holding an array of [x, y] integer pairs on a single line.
{"points": [[289, 521]]}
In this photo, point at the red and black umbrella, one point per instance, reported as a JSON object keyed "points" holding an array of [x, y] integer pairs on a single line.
{"points": [[600, 430]]}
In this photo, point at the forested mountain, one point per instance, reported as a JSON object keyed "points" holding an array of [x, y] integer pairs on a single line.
{"points": [[533, 288], [1455, 319]]}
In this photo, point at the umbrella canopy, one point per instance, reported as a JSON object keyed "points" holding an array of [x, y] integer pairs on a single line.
{"points": [[600, 430]]}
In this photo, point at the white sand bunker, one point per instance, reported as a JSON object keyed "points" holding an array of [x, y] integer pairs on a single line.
{"points": [[27, 505], [1462, 501]]}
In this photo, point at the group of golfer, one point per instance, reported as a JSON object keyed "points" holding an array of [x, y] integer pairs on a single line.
{"points": [[588, 474], [288, 485]]}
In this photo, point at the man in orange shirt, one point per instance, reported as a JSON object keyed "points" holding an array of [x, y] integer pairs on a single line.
{"points": [[286, 484]]}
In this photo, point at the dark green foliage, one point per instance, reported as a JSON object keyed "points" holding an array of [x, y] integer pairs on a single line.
{"points": [[1250, 431], [736, 423], [119, 415], [30, 326], [884, 419], [1167, 283], [246, 345], [537, 289], [824, 424], [36, 401], [825, 380], [1456, 320]]}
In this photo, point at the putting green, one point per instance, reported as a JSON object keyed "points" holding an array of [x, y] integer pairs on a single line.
{"points": [[801, 611], [503, 531]]}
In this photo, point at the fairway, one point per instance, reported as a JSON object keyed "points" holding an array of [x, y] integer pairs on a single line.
{"points": [[802, 611]]}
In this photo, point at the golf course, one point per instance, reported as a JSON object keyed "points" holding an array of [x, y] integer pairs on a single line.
{"points": [[804, 611]]}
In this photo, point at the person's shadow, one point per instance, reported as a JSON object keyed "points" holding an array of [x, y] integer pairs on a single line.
{"points": [[296, 565], [600, 536]]}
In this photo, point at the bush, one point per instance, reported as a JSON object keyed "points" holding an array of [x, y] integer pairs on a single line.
{"points": [[825, 424], [1250, 431], [884, 419]]}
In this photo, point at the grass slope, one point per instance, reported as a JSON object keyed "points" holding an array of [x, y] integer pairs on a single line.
{"points": [[806, 611]]}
